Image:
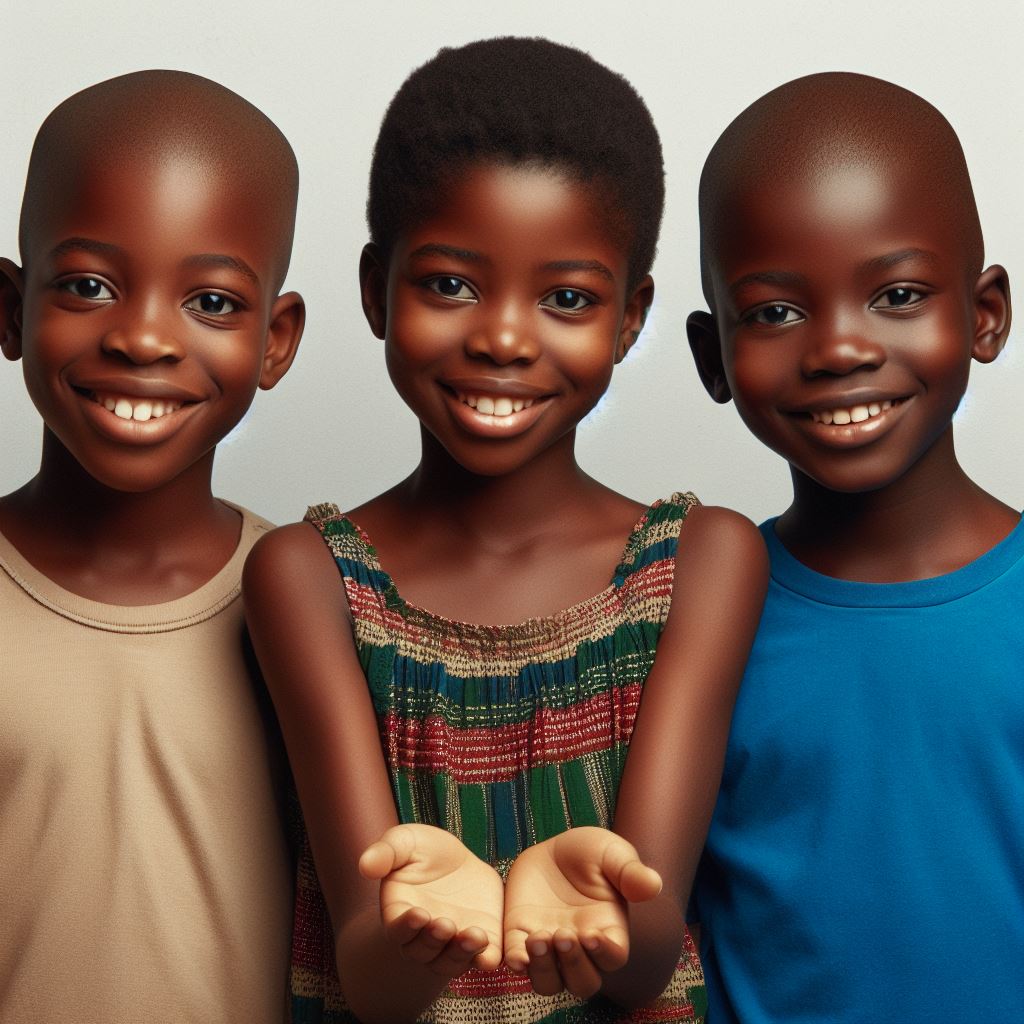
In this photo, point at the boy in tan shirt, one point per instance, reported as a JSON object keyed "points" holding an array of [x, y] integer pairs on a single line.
{"points": [[144, 873]]}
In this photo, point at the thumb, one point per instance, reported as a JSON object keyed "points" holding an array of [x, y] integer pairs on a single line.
{"points": [[622, 867], [394, 850]]}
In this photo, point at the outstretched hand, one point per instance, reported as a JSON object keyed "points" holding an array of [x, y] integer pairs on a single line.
{"points": [[438, 901], [566, 923]]}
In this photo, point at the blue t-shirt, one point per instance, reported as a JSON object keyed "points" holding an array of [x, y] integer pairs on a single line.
{"points": [[866, 857]]}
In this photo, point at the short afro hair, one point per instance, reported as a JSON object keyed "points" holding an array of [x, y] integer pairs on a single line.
{"points": [[518, 101]]}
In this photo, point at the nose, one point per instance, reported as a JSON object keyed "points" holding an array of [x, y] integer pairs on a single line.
{"points": [[506, 336], [838, 348], [143, 336]]}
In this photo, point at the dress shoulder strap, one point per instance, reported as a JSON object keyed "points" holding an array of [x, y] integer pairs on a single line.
{"points": [[656, 536]]}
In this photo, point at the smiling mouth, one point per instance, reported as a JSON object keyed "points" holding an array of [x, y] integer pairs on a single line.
{"points": [[498, 406], [842, 416], [127, 407]]}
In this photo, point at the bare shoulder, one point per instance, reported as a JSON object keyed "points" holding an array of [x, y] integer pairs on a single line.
{"points": [[290, 576], [725, 541]]}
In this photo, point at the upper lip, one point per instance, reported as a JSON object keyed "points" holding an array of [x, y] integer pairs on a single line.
{"points": [[138, 387], [847, 400], [511, 387]]}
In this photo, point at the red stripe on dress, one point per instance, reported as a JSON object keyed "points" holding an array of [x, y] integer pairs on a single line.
{"points": [[479, 755]]}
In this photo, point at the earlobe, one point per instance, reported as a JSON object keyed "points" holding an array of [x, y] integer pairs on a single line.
{"points": [[287, 318], [373, 278], [992, 314], [12, 287], [702, 332], [634, 317]]}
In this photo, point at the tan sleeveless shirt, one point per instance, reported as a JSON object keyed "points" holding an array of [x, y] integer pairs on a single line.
{"points": [[144, 873]]}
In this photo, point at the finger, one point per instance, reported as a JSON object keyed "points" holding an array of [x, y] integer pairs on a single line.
{"points": [[622, 867], [543, 966], [579, 974], [457, 955], [608, 949], [431, 940], [392, 851], [516, 956], [403, 922], [489, 958]]}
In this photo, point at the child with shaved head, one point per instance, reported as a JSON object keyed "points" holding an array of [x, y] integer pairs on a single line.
{"points": [[143, 870], [864, 861]]}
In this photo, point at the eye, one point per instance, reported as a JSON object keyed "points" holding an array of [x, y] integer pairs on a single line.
{"points": [[90, 288], [567, 300], [774, 315], [896, 298], [451, 288], [212, 304]]}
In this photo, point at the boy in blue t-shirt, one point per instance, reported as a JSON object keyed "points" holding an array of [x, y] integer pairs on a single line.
{"points": [[866, 857]]}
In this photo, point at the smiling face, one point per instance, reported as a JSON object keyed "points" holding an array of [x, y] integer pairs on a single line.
{"points": [[149, 313], [504, 314], [847, 312]]}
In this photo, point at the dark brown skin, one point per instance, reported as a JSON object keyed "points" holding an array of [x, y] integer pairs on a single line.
{"points": [[512, 289], [849, 281], [147, 275]]}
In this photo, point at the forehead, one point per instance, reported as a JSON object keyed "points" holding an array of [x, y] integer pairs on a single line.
{"points": [[524, 209], [838, 212], [157, 205]]}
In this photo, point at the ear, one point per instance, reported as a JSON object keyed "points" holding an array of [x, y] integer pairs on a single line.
{"points": [[992, 314], [373, 284], [702, 332], [12, 287], [634, 317], [287, 318]]}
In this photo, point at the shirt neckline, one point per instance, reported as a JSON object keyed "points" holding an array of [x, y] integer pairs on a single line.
{"points": [[789, 572], [203, 603]]}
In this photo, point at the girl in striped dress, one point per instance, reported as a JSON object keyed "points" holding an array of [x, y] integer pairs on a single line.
{"points": [[505, 792]]}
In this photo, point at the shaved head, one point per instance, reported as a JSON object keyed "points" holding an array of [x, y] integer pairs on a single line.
{"points": [[153, 116], [813, 127]]}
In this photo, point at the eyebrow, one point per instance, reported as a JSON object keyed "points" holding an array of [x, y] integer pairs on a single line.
{"points": [[214, 259], [892, 259], [77, 244], [436, 249], [594, 265], [784, 278]]}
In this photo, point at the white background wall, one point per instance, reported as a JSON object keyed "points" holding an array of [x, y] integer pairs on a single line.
{"points": [[324, 70]]}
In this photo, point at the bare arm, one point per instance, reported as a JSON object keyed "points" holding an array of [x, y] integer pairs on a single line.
{"points": [[583, 910], [674, 765], [301, 630]]}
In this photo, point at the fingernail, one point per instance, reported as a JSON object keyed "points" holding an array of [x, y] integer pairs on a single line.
{"points": [[539, 949], [563, 945]]}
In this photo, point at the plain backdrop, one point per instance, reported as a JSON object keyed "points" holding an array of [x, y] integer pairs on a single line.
{"points": [[324, 71]]}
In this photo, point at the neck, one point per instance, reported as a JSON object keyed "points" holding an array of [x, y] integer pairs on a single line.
{"points": [[505, 508], [119, 546], [932, 520]]}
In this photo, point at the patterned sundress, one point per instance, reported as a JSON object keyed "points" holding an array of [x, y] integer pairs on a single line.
{"points": [[504, 736]]}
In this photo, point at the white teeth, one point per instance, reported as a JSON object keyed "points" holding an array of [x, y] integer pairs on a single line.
{"points": [[853, 414], [138, 409], [490, 406]]}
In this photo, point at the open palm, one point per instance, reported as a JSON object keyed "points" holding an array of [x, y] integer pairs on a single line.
{"points": [[565, 908], [439, 901]]}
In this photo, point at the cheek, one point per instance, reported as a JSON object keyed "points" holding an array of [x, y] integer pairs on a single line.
{"points": [[754, 373]]}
